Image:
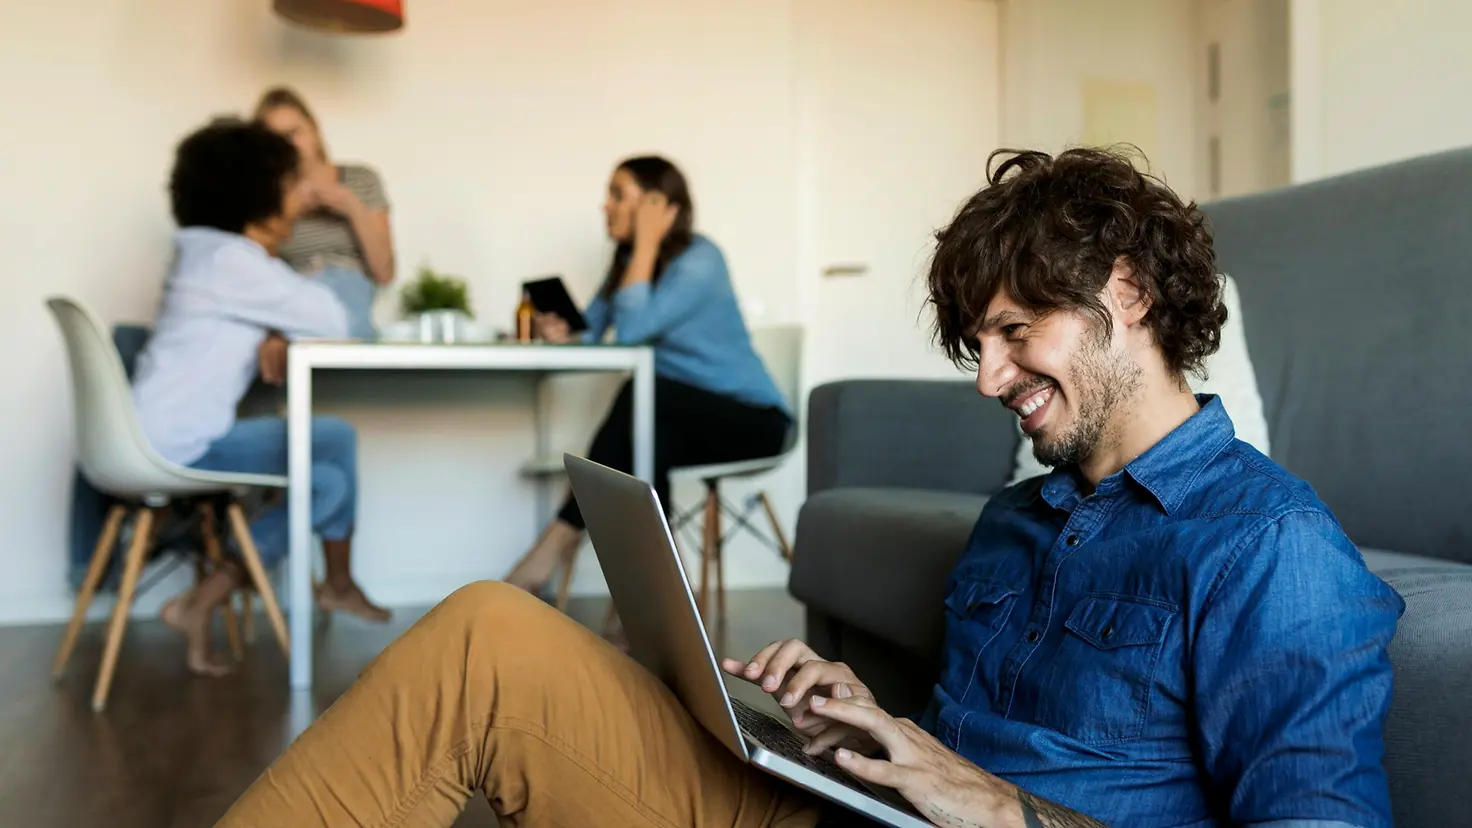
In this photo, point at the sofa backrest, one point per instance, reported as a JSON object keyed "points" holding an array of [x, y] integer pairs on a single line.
{"points": [[1357, 305]]}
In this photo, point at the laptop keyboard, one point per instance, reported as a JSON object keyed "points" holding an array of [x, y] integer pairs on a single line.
{"points": [[781, 740]]}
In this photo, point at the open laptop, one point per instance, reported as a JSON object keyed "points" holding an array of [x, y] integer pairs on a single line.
{"points": [[649, 587]]}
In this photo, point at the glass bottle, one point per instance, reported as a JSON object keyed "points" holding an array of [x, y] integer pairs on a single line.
{"points": [[524, 313]]}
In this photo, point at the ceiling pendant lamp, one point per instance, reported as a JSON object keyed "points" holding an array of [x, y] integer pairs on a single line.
{"points": [[344, 16]]}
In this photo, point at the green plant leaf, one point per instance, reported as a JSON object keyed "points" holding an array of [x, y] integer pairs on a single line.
{"points": [[433, 291]]}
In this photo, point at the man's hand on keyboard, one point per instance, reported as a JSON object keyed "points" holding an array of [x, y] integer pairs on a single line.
{"points": [[792, 674]]}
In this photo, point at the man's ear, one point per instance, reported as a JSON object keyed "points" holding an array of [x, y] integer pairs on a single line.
{"points": [[1128, 297]]}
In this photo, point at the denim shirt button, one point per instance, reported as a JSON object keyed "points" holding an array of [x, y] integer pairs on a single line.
{"points": [[1071, 540], [1032, 636]]}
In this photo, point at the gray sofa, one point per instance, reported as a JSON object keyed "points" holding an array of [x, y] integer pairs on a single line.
{"points": [[1357, 305]]}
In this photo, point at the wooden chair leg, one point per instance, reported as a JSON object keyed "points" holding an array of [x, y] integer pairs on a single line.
{"points": [[777, 532], [132, 566], [100, 556], [248, 616], [252, 558], [210, 530]]}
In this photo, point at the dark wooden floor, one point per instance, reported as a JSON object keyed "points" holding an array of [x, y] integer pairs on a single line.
{"points": [[173, 750]]}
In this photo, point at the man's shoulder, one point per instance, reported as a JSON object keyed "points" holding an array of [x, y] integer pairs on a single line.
{"points": [[211, 255], [1243, 481]]}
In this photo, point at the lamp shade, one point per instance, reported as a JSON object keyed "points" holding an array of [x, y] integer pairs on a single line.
{"points": [[347, 16]]}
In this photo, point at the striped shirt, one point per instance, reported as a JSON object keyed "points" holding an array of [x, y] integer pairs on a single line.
{"points": [[322, 238]]}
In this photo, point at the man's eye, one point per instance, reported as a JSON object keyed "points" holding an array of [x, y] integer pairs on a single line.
{"points": [[1012, 330]]}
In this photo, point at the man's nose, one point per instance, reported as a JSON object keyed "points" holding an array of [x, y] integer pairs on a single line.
{"points": [[995, 372]]}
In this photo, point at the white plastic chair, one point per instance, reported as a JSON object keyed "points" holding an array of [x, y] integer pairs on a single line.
{"points": [[116, 458], [780, 347]]}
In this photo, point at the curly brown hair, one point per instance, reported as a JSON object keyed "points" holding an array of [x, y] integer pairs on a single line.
{"points": [[1048, 231]]}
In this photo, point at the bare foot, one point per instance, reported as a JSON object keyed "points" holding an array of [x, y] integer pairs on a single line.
{"points": [[194, 625], [352, 601], [613, 633]]}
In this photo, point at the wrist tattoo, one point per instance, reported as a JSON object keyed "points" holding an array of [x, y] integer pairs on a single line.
{"points": [[1040, 813], [944, 818]]}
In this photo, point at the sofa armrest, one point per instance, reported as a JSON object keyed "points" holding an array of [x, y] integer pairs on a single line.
{"points": [[871, 567], [908, 434]]}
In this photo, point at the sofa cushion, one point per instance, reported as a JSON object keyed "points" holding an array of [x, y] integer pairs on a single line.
{"points": [[1382, 560], [1427, 749], [864, 552], [1355, 301]]}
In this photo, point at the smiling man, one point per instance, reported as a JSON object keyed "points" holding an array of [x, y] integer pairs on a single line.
{"points": [[1168, 630]]}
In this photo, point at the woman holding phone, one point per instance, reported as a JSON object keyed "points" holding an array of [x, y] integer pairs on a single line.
{"points": [[667, 286]]}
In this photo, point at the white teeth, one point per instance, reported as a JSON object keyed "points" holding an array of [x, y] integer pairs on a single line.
{"points": [[1032, 405]]}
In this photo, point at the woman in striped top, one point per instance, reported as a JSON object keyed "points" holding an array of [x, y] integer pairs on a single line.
{"points": [[343, 237]]}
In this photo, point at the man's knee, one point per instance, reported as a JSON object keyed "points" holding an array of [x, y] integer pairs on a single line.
{"points": [[495, 602], [334, 434]]}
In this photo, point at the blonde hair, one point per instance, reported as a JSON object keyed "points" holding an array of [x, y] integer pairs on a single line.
{"points": [[279, 96], [282, 96]]}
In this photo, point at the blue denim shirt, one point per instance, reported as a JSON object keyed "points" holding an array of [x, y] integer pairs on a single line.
{"points": [[1194, 643]]}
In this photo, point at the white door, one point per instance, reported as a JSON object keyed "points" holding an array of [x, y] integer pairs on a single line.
{"points": [[898, 107]]}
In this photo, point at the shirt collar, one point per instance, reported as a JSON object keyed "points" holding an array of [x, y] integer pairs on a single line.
{"points": [[1166, 469], [208, 239]]}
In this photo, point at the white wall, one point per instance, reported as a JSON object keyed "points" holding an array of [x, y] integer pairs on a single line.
{"points": [[898, 114], [1250, 116], [494, 124], [1055, 51], [1392, 80]]}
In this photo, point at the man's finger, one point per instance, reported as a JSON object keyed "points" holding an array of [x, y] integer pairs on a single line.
{"points": [[875, 771], [814, 727], [835, 735], [815, 673], [792, 653], [864, 715], [753, 670]]}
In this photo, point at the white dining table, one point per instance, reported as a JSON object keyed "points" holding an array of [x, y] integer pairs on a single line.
{"points": [[305, 358]]}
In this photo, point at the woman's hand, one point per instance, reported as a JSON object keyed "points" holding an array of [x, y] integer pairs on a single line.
{"points": [[652, 221], [794, 675], [549, 327], [330, 193]]}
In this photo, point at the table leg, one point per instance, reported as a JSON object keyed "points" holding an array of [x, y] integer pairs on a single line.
{"points": [[644, 417], [540, 427], [299, 505]]}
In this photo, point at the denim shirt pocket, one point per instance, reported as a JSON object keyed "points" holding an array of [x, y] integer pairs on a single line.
{"points": [[1103, 677], [980, 601], [976, 610]]}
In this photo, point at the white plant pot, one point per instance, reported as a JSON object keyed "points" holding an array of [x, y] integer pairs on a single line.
{"points": [[443, 326]]}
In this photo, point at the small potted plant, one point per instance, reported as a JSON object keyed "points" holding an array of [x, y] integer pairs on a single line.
{"points": [[441, 303]]}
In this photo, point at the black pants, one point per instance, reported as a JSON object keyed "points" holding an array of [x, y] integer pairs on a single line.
{"points": [[692, 427]]}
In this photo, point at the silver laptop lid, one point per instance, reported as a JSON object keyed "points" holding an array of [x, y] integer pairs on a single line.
{"points": [[647, 581]]}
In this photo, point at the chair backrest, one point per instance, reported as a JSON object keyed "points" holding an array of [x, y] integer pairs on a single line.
{"points": [[780, 347], [112, 451]]}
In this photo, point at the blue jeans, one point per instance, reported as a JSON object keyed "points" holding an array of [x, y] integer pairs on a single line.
{"points": [[356, 292], [258, 446]]}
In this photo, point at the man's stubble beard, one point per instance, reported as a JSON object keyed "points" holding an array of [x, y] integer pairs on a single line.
{"points": [[1104, 380]]}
